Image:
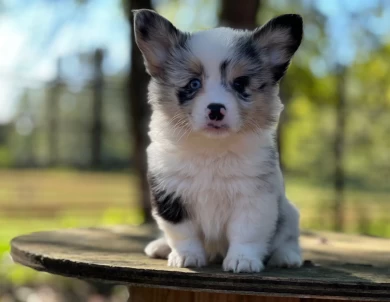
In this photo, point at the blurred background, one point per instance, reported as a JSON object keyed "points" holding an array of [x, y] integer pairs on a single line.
{"points": [[73, 120]]}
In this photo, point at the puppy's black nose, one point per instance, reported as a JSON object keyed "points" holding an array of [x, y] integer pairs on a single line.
{"points": [[216, 112]]}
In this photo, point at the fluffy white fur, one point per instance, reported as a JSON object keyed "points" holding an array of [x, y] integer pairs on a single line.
{"points": [[231, 216], [216, 175]]}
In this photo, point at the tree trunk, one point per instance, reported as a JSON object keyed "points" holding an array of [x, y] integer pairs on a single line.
{"points": [[339, 149], [97, 107], [138, 110], [238, 15]]}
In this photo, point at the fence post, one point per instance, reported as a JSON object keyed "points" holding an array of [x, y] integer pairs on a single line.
{"points": [[97, 109], [339, 150], [53, 116]]}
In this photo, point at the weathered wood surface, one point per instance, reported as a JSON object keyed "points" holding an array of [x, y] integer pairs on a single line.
{"points": [[345, 267], [145, 294]]}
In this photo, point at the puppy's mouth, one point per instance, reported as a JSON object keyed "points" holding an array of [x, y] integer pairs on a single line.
{"points": [[216, 129]]}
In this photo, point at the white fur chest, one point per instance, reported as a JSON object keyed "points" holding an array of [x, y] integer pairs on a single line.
{"points": [[209, 179]]}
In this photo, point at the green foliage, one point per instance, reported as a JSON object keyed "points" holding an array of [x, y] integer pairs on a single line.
{"points": [[5, 157], [369, 124], [309, 93]]}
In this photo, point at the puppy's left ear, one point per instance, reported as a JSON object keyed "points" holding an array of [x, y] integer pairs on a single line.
{"points": [[277, 42], [155, 37]]}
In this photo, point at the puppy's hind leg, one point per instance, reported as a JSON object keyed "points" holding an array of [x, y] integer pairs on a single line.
{"points": [[286, 251], [287, 255], [158, 248]]}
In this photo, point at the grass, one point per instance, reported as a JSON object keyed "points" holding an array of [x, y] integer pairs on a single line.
{"points": [[365, 212], [34, 200]]}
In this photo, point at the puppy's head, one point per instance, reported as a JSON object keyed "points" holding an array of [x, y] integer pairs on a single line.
{"points": [[219, 81]]}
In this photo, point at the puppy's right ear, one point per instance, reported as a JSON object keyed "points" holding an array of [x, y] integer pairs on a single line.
{"points": [[155, 37], [278, 40]]}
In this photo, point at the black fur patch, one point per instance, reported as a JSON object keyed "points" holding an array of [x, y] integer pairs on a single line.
{"points": [[223, 68], [295, 24], [279, 71], [247, 48], [182, 39], [145, 20], [185, 95], [244, 80], [167, 205], [281, 218], [144, 31]]}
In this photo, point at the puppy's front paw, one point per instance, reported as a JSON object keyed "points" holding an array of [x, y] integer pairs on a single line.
{"points": [[158, 248], [242, 264], [187, 259]]}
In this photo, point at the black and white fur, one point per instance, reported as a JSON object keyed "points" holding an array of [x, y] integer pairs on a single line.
{"points": [[216, 185]]}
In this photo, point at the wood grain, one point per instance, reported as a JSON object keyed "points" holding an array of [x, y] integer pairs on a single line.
{"points": [[340, 266], [143, 294]]}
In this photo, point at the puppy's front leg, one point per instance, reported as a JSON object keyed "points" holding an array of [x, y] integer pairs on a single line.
{"points": [[249, 231], [187, 248]]}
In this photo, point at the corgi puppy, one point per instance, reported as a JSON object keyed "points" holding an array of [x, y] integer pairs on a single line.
{"points": [[213, 166]]}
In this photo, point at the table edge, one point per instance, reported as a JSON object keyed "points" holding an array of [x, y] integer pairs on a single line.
{"points": [[269, 286]]}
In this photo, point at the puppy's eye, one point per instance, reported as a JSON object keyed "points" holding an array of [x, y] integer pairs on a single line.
{"points": [[194, 84], [240, 83]]}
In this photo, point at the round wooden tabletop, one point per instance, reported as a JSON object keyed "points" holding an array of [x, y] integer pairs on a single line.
{"points": [[337, 265]]}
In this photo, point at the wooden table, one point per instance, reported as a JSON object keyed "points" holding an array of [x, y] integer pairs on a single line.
{"points": [[338, 267]]}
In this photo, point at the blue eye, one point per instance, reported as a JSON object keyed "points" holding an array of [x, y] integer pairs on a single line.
{"points": [[194, 84]]}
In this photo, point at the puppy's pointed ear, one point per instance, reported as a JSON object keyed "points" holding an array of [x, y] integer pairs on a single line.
{"points": [[155, 37], [278, 40]]}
